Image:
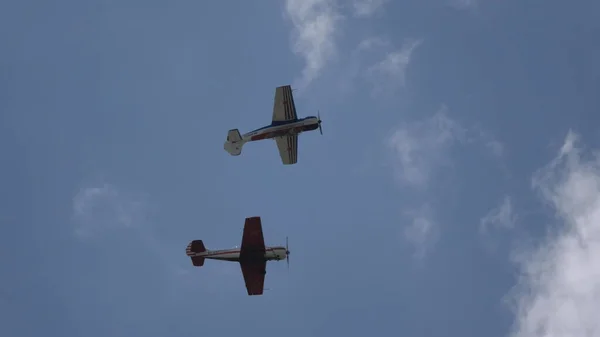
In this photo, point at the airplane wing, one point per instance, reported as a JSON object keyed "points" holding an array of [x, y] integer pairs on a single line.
{"points": [[253, 242], [254, 276], [252, 256], [288, 149], [284, 108]]}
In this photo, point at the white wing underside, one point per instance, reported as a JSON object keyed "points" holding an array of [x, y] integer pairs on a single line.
{"points": [[284, 108], [288, 149]]}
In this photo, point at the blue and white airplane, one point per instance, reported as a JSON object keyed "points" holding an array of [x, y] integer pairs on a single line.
{"points": [[285, 128]]}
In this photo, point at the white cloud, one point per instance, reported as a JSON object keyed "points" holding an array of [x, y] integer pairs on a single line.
{"points": [[315, 26], [422, 233], [502, 217], [392, 69], [364, 8], [420, 147], [103, 207], [559, 289]]}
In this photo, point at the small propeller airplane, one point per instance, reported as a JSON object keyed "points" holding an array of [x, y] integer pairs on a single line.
{"points": [[284, 128], [252, 255]]}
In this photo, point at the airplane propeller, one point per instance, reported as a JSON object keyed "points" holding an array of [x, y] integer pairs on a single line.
{"points": [[319, 117], [287, 253]]}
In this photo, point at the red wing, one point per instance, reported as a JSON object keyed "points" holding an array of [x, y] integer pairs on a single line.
{"points": [[252, 256], [252, 240], [254, 276]]}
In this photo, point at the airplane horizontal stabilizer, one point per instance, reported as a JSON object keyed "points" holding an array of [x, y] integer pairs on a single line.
{"points": [[193, 248], [198, 261], [234, 142]]}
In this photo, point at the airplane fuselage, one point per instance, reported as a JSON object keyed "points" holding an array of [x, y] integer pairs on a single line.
{"points": [[271, 254], [285, 128]]}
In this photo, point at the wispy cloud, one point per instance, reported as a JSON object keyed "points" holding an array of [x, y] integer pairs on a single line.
{"points": [[354, 67], [419, 151], [372, 42], [501, 217], [104, 207], [493, 146], [365, 8], [496, 148], [559, 289], [422, 232], [391, 70], [419, 148], [315, 26]]}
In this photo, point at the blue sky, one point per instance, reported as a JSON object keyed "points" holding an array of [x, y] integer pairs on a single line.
{"points": [[455, 191]]}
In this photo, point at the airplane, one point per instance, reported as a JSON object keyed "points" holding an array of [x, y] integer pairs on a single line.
{"points": [[252, 255], [284, 128]]}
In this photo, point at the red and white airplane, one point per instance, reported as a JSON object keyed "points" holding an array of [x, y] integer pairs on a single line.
{"points": [[252, 255], [285, 128]]}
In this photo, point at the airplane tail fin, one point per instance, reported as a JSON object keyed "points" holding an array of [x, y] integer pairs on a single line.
{"points": [[234, 142], [194, 247], [234, 135]]}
